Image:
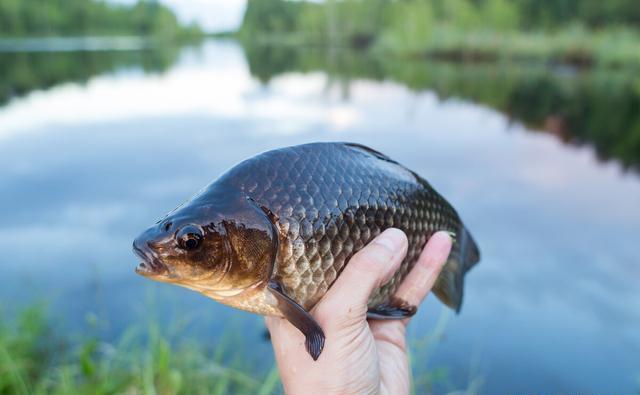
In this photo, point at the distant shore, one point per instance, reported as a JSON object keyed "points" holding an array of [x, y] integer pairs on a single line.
{"points": [[586, 49], [465, 30], [67, 44]]}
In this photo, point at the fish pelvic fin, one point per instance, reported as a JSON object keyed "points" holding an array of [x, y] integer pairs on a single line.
{"points": [[301, 319], [464, 255]]}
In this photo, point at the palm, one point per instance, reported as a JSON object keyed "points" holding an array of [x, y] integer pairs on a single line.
{"points": [[360, 356], [392, 353]]}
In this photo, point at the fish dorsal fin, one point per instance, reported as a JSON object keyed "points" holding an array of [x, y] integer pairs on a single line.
{"points": [[371, 151]]}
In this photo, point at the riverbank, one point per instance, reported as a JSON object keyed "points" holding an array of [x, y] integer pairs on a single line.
{"points": [[72, 44], [575, 46], [90, 43]]}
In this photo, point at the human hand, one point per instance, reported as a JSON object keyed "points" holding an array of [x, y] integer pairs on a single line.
{"points": [[359, 356]]}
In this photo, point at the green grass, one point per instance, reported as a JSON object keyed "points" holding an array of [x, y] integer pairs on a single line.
{"points": [[34, 360], [152, 360]]}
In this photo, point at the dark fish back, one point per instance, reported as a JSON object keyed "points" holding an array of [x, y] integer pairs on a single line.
{"points": [[328, 200]]}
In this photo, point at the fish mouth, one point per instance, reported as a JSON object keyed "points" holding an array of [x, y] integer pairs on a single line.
{"points": [[150, 266]]}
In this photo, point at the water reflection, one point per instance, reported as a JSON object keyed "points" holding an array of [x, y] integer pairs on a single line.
{"points": [[596, 107], [22, 72], [553, 307]]}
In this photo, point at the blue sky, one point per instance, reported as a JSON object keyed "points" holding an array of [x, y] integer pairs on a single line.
{"points": [[213, 15]]}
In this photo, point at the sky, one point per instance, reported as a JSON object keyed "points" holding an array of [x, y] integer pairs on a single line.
{"points": [[212, 15]]}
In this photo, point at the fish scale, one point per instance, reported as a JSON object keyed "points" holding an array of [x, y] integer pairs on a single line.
{"points": [[331, 199]]}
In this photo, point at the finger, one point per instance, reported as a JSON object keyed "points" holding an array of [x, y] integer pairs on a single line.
{"points": [[365, 271], [421, 278]]}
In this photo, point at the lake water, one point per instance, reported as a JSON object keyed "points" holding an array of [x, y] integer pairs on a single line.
{"points": [[94, 147]]}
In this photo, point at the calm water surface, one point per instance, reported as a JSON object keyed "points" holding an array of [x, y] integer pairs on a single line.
{"points": [[553, 307]]}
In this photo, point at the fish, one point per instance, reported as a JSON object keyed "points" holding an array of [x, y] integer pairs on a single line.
{"points": [[272, 234]]}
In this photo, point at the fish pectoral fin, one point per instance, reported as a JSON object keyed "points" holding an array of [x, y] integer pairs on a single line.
{"points": [[395, 309], [301, 319]]}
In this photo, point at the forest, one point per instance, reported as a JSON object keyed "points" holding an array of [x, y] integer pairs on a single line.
{"points": [[37, 18], [584, 33]]}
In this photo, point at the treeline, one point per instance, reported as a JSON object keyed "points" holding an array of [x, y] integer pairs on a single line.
{"points": [[594, 13], [19, 18], [371, 16], [580, 32]]}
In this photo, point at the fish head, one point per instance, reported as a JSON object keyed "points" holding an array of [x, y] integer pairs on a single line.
{"points": [[220, 248]]}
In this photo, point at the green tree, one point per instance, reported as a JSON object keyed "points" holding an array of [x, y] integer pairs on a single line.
{"points": [[501, 15], [462, 14], [409, 25], [95, 17]]}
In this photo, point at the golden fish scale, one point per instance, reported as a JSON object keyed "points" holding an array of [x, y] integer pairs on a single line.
{"points": [[330, 200]]}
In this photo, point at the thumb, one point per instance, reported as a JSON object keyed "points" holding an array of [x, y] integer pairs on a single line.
{"points": [[346, 301]]}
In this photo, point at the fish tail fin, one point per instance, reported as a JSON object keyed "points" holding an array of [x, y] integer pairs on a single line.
{"points": [[464, 255]]}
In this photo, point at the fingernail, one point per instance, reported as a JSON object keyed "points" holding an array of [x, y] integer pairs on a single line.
{"points": [[393, 239]]}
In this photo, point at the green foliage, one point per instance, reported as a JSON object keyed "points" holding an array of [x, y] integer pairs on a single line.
{"points": [[22, 349], [89, 17], [582, 33], [33, 362], [461, 13], [594, 13], [274, 16], [410, 26], [502, 15], [345, 22]]}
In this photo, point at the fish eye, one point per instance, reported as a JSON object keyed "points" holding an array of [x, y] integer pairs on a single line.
{"points": [[190, 237]]}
